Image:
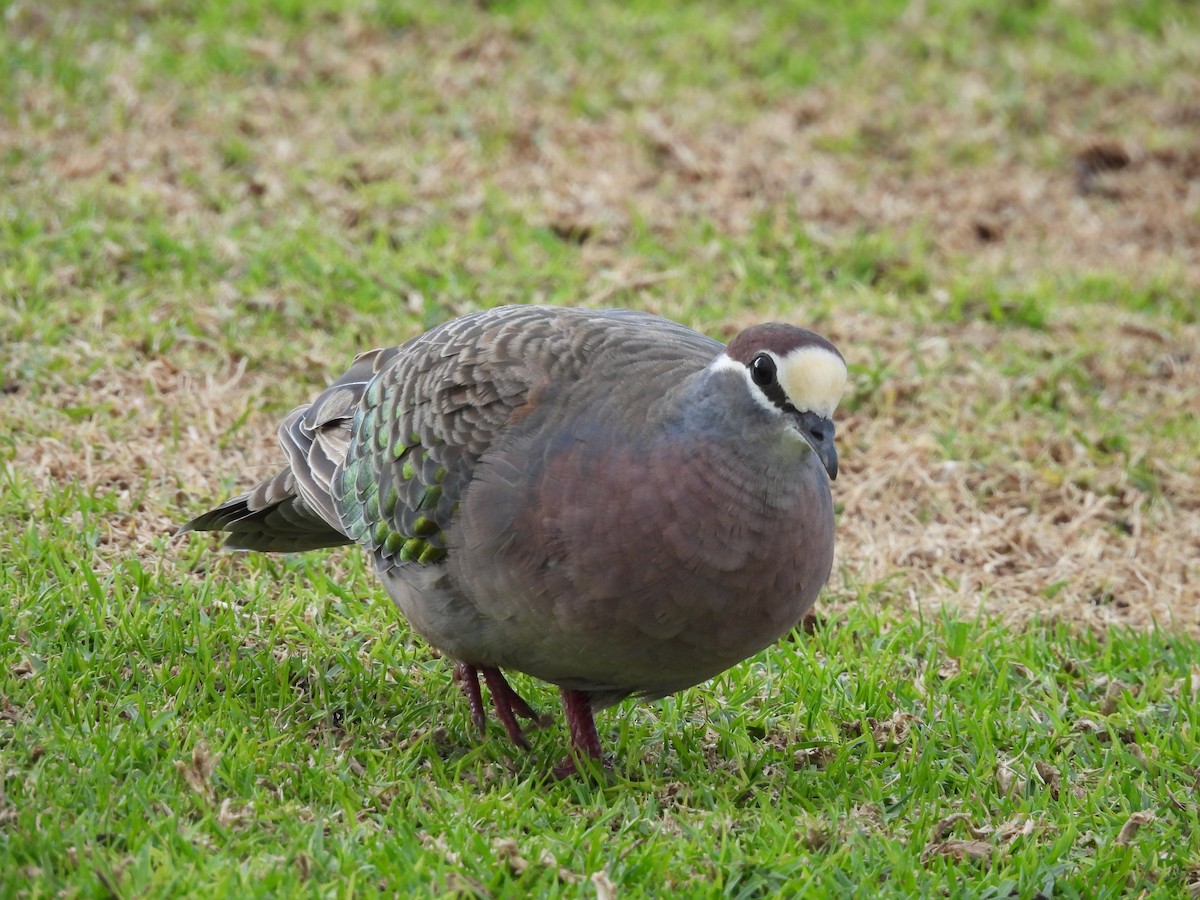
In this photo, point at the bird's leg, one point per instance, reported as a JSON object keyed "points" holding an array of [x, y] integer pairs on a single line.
{"points": [[585, 740], [468, 677]]}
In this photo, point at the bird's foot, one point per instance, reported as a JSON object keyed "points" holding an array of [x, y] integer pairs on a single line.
{"points": [[506, 701], [585, 740]]}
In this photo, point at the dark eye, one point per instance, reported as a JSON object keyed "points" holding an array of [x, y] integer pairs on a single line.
{"points": [[762, 370]]}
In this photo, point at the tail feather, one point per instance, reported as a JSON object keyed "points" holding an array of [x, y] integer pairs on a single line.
{"points": [[272, 517]]}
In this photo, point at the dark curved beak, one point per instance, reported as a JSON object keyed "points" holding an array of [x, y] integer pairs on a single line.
{"points": [[819, 431]]}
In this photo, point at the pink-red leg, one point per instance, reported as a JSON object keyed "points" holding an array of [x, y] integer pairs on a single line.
{"points": [[468, 679], [585, 740], [520, 707]]}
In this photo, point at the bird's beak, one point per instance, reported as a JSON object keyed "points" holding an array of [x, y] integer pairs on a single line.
{"points": [[819, 431]]}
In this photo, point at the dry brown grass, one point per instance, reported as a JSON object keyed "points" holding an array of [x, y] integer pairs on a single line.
{"points": [[1028, 521]]}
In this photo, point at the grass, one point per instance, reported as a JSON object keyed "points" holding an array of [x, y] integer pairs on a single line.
{"points": [[209, 208], [290, 737]]}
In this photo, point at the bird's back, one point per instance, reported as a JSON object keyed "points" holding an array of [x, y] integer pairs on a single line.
{"points": [[414, 419], [448, 397]]}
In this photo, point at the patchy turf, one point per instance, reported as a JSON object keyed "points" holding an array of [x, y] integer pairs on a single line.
{"points": [[995, 212]]}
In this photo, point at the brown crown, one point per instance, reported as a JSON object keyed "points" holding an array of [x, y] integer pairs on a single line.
{"points": [[780, 339]]}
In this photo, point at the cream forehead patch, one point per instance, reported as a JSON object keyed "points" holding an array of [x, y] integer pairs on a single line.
{"points": [[813, 379]]}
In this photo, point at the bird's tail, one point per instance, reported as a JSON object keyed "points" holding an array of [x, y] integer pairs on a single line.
{"points": [[294, 510], [271, 517]]}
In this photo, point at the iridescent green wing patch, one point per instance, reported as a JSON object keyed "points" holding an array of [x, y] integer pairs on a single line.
{"points": [[434, 409], [400, 486]]}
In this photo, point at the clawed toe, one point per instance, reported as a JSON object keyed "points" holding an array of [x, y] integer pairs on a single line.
{"points": [[507, 703]]}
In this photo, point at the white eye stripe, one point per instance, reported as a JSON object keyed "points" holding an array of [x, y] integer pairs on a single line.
{"points": [[723, 362]]}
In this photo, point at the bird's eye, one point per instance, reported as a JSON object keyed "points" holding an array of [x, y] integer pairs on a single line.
{"points": [[762, 370]]}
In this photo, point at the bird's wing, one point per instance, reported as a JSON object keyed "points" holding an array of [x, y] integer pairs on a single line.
{"points": [[383, 456], [436, 408]]}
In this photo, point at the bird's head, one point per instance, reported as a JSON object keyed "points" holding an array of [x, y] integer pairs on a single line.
{"points": [[795, 374]]}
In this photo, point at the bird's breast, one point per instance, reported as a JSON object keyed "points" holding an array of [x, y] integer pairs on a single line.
{"points": [[651, 566]]}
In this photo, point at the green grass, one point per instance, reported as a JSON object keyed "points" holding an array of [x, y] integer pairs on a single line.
{"points": [[331, 742], [207, 209]]}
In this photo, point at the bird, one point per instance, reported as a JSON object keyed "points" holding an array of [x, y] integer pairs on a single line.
{"points": [[605, 500]]}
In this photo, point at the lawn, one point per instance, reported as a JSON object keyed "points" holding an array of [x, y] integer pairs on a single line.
{"points": [[993, 210]]}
